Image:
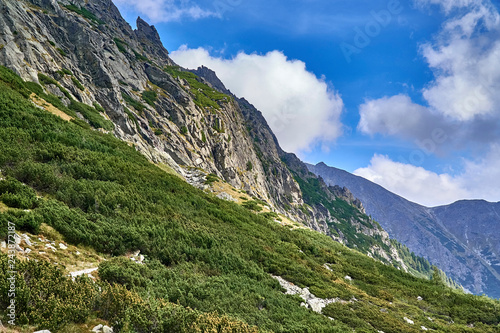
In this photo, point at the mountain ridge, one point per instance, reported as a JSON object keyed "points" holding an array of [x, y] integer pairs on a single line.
{"points": [[422, 228]]}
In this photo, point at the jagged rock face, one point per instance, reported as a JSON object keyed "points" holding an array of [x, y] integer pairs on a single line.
{"points": [[462, 239], [117, 66], [150, 39], [112, 61]]}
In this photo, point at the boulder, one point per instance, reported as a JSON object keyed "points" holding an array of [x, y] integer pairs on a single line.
{"points": [[107, 329], [97, 328]]}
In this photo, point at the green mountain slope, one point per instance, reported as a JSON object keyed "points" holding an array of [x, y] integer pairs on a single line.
{"points": [[205, 255], [115, 79]]}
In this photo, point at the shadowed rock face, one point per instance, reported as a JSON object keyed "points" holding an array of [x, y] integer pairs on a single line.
{"points": [[150, 39], [463, 239], [117, 66]]}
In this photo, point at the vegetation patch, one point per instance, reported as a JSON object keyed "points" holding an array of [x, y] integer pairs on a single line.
{"points": [[150, 97], [44, 79], [120, 45], [77, 83], [140, 57], [252, 205], [211, 178], [61, 51], [218, 126], [204, 96], [93, 116], [135, 104], [132, 117], [82, 11]]}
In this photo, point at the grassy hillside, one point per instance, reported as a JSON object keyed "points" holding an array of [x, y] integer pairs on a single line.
{"points": [[209, 261]]}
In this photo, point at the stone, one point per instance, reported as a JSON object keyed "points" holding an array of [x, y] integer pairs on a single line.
{"points": [[87, 271], [27, 251], [62, 246], [226, 196], [310, 300], [419, 298], [28, 242], [107, 329], [348, 278], [424, 328], [409, 321], [42, 331], [97, 328]]}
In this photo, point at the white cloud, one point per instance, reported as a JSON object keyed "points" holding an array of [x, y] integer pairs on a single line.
{"points": [[301, 109], [396, 115], [464, 58], [465, 64], [167, 10], [478, 180], [413, 183]]}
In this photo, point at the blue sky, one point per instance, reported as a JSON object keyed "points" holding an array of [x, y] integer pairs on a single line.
{"points": [[399, 92]]}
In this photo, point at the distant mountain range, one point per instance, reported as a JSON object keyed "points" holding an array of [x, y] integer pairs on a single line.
{"points": [[462, 239]]}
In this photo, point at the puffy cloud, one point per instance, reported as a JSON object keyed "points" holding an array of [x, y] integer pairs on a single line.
{"points": [[396, 115], [431, 189], [301, 109], [465, 63], [167, 10], [463, 98], [413, 183]]}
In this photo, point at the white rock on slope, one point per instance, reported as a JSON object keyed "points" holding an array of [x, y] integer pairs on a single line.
{"points": [[311, 301]]}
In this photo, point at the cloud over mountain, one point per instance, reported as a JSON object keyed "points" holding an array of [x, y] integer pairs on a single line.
{"points": [[302, 109]]}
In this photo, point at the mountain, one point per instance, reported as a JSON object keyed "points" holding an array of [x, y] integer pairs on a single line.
{"points": [[463, 239], [88, 56], [109, 152]]}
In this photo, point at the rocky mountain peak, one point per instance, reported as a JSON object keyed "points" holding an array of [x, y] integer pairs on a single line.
{"points": [[211, 77], [346, 195], [149, 38]]}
